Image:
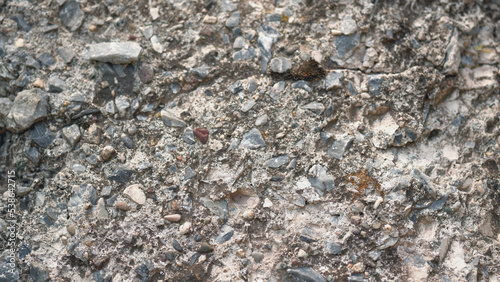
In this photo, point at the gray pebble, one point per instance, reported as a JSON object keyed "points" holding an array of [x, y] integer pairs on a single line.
{"points": [[41, 135], [46, 59], [339, 147], [56, 84], [280, 64], [277, 161], [333, 80], [188, 136], [170, 119], [225, 234], [66, 54], [346, 43], [72, 15], [115, 52], [245, 54], [257, 256], [235, 87], [261, 120], [72, 134], [233, 20], [333, 248], [315, 107], [253, 139]]}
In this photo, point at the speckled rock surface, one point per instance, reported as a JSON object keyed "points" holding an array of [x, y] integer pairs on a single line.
{"points": [[249, 140]]}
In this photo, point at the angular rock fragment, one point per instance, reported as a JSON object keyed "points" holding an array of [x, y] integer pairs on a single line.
{"points": [[72, 134], [72, 15], [305, 274], [277, 161], [29, 107], [170, 119], [135, 193], [253, 140], [115, 52], [339, 147]]}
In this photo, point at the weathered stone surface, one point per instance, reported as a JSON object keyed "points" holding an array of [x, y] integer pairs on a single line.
{"points": [[30, 106], [115, 52]]}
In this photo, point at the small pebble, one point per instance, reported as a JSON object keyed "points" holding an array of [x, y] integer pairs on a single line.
{"points": [[205, 248], [173, 217], [107, 153], [240, 253], [121, 205], [39, 83], [19, 43], [358, 267], [92, 28], [71, 230], [301, 254], [248, 214], [202, 134], [185, 228]]}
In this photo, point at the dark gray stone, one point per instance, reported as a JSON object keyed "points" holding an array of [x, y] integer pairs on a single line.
{"points": [[205, 248], [308, 235], [177, 246], [72, 15], [22, 24], [41, 135], [305, 274], [32, 62], [320, 179], [235, 87], [189, 174], [218, 208], [375, 84], [253, 140], [121, 175], [30, 106], [38, 274], [8, 270], [225, 234], [56, 84], [333, 248], [439, 204], [346, 43], [127, 141], [33, 155], [46, 59]]}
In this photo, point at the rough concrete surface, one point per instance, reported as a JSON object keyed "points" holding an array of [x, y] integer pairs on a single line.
{"points": [[220, 140]]}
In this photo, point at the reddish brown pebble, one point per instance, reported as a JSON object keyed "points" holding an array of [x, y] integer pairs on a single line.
{"points": [[361, 128], [202, 134], [132, 37]]}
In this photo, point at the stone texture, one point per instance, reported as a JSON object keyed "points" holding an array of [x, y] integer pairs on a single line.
{"points": [[115, 52], [30, 106]]}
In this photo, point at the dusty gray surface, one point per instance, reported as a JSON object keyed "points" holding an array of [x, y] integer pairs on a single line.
{"points": [[250, 141]]}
